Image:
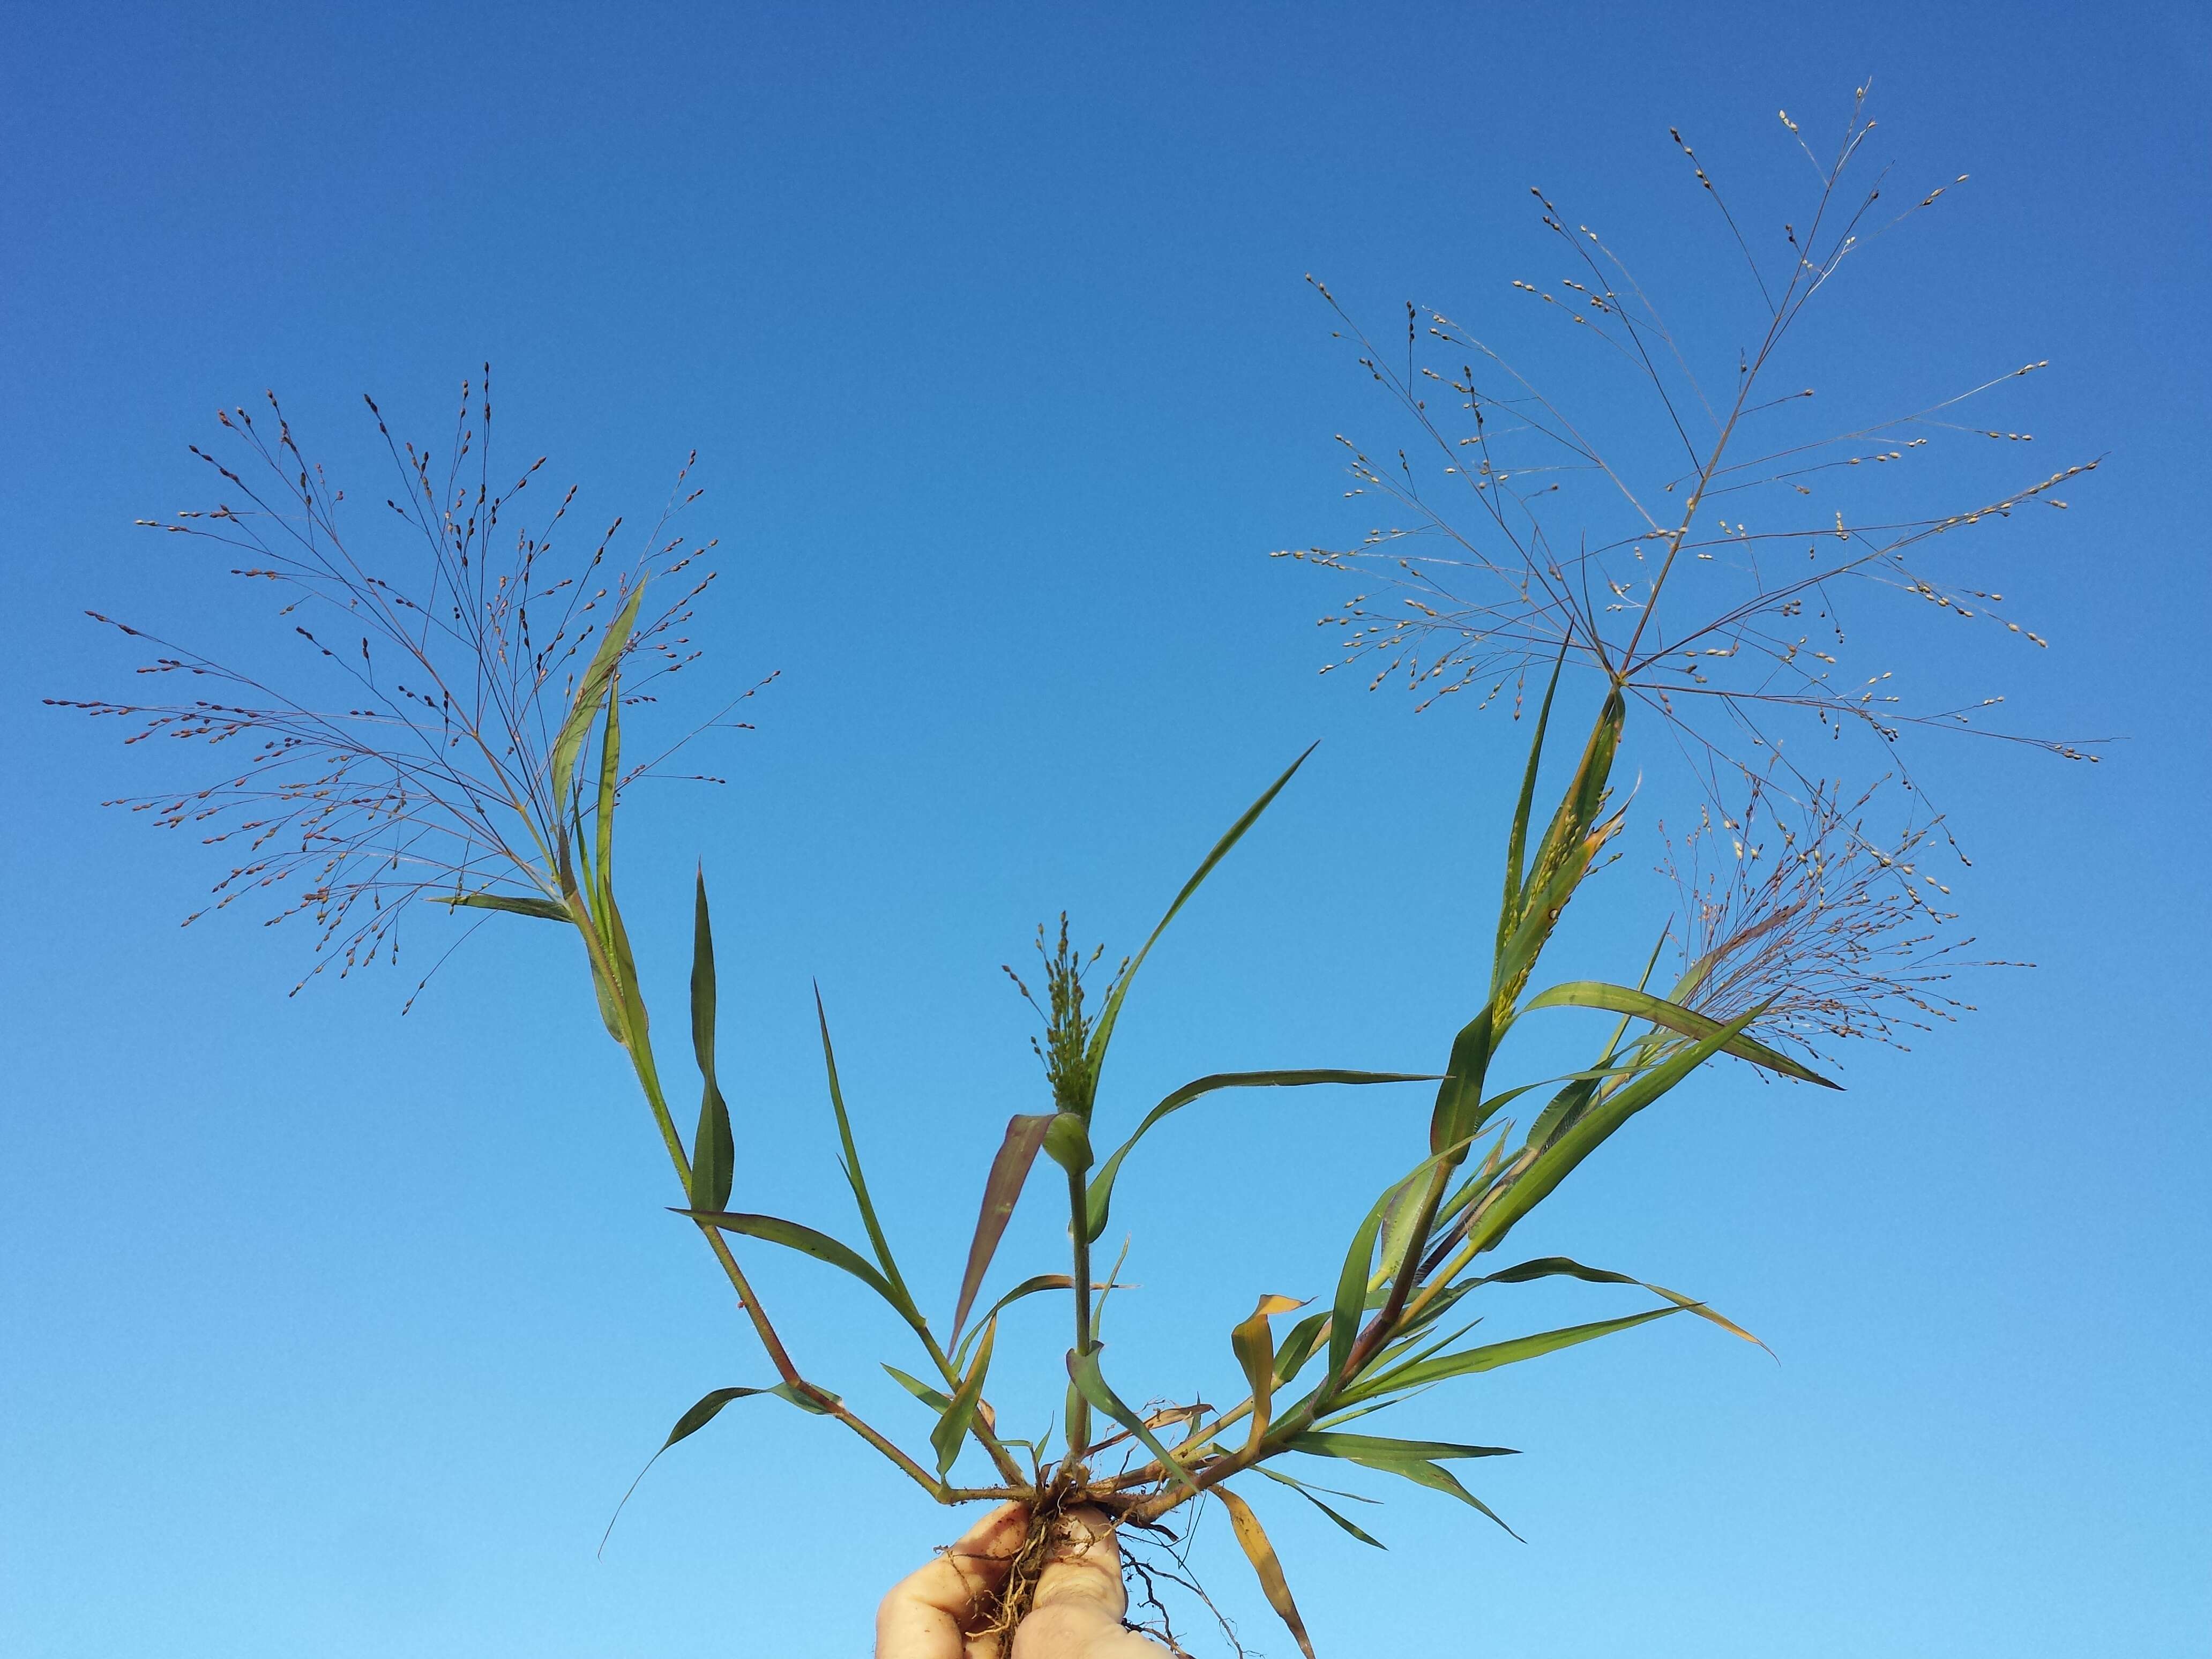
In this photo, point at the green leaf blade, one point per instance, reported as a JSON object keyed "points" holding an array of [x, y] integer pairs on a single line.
{"points": [[806, 1241], [1490, 1356], [521, 906], [850, 1158], [1259, 1551], [1102, 1032], [1090, 1382], [590, 692], [1100, 1198], [713, 1150], [1657, 1011], [1002, 1188], [952, 1430]]}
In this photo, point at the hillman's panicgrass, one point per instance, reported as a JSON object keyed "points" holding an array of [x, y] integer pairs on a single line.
{"points": [[473, 756]]}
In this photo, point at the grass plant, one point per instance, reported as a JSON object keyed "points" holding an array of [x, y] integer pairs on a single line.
{"points": [[477, 758]]}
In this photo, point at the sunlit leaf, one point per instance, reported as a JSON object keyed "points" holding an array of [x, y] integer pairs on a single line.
{"points": [[1010, 1169], [1083, 1371], [849, 1157], [1376, 1449], [936, 1399], [806, 1241], [1298, 1347], [1516, 842], [591, 692], [1490, 1357], [1572, 1145], [1102, 1032], [1458, 1113], [1410, 1460], [1309, 1494], [1102, 1184], [1028, 1287], [603, 814], [1253, 1539], [952, 1428], [1642, 1005], [713, 1153], [1352, 1284], [1556, 1266], [520, 907], [1254, 1343], [704, 1412]]}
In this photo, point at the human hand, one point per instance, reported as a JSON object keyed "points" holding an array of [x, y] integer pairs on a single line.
{"points": [[934, 1613]]}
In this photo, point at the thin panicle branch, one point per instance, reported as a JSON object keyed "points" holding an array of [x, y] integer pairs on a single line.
{"points": [[417, 759], [1712, 595]]}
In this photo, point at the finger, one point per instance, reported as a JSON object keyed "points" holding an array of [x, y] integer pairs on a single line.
{"points": [[1084, 1565], [927, 1612], [1080, 1600]]}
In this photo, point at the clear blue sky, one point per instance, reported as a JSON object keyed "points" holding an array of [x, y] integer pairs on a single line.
{"points": [[326, 1332]]}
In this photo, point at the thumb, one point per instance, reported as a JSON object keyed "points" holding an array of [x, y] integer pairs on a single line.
{"points": [[1077, 1613]]}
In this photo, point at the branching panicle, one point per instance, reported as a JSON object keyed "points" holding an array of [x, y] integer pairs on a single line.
{"points": [[1830, 935], [1711, 589], [419, 766]]}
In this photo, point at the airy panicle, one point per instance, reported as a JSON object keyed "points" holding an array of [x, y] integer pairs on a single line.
{"points": [[415, 758], [1709, 586]]}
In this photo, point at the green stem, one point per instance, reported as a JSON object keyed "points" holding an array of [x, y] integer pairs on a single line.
{"points": [[638, 1046], [1079, 1227]]}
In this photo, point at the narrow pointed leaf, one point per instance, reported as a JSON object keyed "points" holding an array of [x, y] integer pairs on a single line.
{"points": [[1102, 1184], [704, 1412], [806, 1241], [1508, 913], [1590, 1131], [520, 907], [1102, 1033], [603, 814], [708, 1407], [590, 692], [1397, 1234], [1252, 1537], [1458, 1112], [1010, 1169], [1554, 1266], [1561, 1113], [851, 1158], [713, 1153], [1376, 1449], [1083, 1371], [1352, 1284], [1308, 1494], [603, 987], [1298, 1347], [1642, 1005], [952, 1428], [627, 991], [1028, 1287], [1437, 1478], [1403, 1458], [936, 1399], [1490, 1357], [1351, 1287]]}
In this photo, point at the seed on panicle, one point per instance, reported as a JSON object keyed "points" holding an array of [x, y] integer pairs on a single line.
{"points": [[435, 780]]}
